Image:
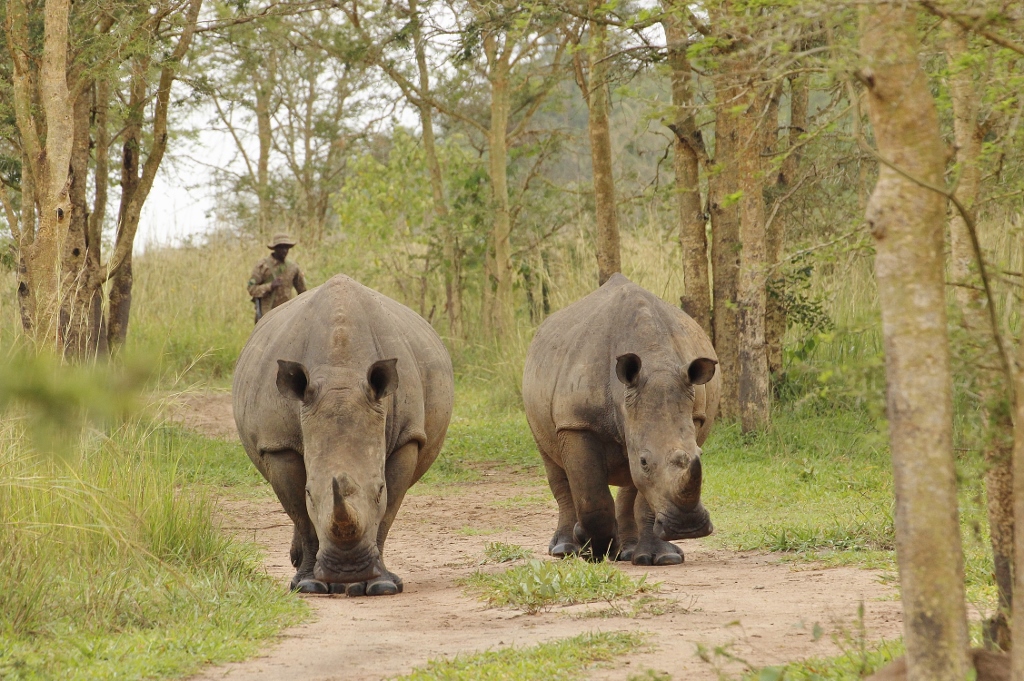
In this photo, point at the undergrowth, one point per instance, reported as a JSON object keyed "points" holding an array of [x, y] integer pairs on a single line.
{"points": [[540, 584], [568, 658], [112, 565]]}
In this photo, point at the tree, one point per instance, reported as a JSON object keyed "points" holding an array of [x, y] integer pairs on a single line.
{"points": [[58, 244], [688, 155], [906, 217], [593, 83]]}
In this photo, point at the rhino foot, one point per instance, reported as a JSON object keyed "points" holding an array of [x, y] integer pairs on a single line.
{"points": [[627, 550], [310, 586], [564, 549], [388, 584], [657, 552]]}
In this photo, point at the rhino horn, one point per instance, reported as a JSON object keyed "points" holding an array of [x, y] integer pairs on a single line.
{"points": [[345, 526]]}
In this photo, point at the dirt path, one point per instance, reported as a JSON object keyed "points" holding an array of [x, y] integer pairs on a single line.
{"points": [[762, 609]]}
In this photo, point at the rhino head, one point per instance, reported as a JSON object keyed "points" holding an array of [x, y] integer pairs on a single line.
{"points": [[342, 414], [661, 442]]}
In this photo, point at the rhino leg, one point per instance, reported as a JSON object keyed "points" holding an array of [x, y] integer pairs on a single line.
{"points": [[625, 502], [585, 456], [399, 471], [649, 549], [562, 543], [295, 552], [286, 472]]}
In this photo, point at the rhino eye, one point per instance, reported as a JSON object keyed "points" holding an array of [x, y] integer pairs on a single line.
{"points": [[643, 461], [380, 493]]}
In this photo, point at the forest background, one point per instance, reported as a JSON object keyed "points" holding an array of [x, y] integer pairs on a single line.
{"points": [[486, 163]]}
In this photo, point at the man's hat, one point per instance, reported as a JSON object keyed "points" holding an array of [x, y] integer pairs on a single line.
{"points": [[281, 239]]}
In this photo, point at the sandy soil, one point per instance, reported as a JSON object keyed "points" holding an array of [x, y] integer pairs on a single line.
{"points": [[761, 609]]}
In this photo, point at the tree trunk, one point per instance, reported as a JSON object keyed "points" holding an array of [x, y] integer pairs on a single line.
{"points": [[775, 315], [596, 94], [47, 166], [264, 132], [990, 384], [94, 231], [80, 282], [137, 177], [750, 289], [688, 151], [725, 256], [1017, 651], [451, 265], [502, 311], [906, 220]]}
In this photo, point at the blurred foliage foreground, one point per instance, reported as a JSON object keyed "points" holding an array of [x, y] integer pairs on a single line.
{"points": [[109, 566]]}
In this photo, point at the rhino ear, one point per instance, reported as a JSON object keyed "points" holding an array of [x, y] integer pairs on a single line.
{"points": [[701, 370], [627, 368], [382, 378], [292, 379]]}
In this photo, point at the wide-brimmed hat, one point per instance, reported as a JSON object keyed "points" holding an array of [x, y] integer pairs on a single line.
{"points": [[281, 239]]}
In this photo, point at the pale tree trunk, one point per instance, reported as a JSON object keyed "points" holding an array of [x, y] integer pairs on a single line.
{"points": [[80, 284], [137, 176], [502, 310], [775, 315], [725, 256], [1017, 651], [906, 220], [94, 230], [45, 168], [24, 230], [990, 384], [450, 250], [688, 153], [750, 288], [264, 132], [595, 92]]}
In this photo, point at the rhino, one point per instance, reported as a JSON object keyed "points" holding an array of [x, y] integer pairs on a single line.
{"points": [[342, 399], [621, 388]]}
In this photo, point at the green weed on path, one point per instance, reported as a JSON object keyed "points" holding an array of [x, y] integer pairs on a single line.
{"points": [[540, 584], [563, 659]]}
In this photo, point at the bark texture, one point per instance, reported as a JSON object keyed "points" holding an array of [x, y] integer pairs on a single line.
{"points": [[596, 93], [450, 249], [499, 70], [688, 154], [775, 315], [725, 248], [750, 286], [1017, 652], [906, 220], [990, 383]]}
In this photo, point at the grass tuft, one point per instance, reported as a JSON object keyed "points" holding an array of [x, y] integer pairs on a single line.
{"points": [[568, 658], [540, 584], [500, 552], [112, 567]]}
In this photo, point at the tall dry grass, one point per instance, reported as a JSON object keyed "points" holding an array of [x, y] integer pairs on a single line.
{"points": [[110, 565]]}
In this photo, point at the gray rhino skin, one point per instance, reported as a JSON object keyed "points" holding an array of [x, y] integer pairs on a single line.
{"points": [[620, 388], [342, 399]]}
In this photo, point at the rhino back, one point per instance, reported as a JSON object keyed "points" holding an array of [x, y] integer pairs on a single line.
{"points": [[345, 324], [569, 378]]}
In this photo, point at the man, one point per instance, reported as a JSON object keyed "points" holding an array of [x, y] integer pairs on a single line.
{"points": [[273, 279]]}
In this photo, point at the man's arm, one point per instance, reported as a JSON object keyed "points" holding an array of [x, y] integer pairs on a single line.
{"points": [[300, 281], [257, 286]]}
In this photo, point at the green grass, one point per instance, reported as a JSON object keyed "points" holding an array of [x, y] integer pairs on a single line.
{"points": [[540, 584], [500, 552], [112, 565], [568, 658], [850, 666], [481, 438], [221, 465]]}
